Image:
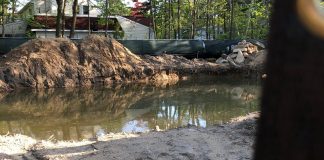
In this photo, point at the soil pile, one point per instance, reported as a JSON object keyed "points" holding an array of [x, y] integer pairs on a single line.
{"points": [[59, 62], [182, 65], [46, 63]]}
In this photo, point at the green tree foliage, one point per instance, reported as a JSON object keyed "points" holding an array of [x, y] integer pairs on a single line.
{"points": [[115, 7], [4, 15], [110, 8], [210, 19]]}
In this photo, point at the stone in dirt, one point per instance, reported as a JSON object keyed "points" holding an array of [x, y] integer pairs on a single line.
{"points": [[240, 57]]}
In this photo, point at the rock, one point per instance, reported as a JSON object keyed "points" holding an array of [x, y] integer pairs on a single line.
{"points": [[157, 128], [240, 57], [245, 55], [231, 62], [221, 60], [232, 55]]}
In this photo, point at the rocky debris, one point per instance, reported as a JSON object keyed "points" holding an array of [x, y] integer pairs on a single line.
{"points": [[233, 140], [244, 54]]}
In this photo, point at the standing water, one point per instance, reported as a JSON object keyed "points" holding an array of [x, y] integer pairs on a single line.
{"points": [[76, 114]]}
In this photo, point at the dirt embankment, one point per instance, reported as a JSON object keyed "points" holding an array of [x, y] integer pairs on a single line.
{"points": [[46, 63], [59, 62], [234, 140]]}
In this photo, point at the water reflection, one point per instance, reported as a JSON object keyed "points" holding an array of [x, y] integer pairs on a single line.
{"points": [[85, 113]]}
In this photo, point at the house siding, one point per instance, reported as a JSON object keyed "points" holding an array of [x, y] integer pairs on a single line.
{"points": [[44, 12]]}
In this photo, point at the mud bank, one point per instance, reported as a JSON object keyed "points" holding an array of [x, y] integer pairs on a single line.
{"points": [[48, 63], [233, 140]]}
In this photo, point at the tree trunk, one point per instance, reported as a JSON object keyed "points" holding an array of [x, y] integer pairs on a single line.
{"points": [[190, 13], [106, 18], [213, 27], [193, 24], [59, 18], [252, 30], [179, 12], [89, 21], [165, 19], [150, 25], [153, 17], [207, 19], [46, 18], [231, 19], [3, 18], [170, 19], [224, 24], [13, 7], [218, 26], [74, 18], [63, 17], [174, 28]]}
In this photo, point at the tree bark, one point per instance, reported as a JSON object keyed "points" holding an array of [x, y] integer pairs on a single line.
{"points": [[153, 17], [170, 19], [179, 12], [59, 18], [165, 19], [207, 19], [106, 18], [89, 20], [63, 17], [231, 19], [218, 27], [193, 24], [174, 28], [3, 18], [13, 7], [74, 18], [224, 24], [213, 27]]}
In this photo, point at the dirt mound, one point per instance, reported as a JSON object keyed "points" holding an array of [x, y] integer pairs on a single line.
{"points": [[59, 62]]}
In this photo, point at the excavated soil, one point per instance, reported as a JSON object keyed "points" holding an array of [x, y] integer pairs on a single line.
{"points": [[59, 62], [234, 140]]}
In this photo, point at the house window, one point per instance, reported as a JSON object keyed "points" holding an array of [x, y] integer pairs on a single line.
{"points": [[85, 9]]}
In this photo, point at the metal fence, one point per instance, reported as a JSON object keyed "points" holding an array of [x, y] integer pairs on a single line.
{"points": [[205, 48]]}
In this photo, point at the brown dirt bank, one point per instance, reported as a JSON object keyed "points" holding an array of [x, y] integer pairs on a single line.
{"points": [[229, 141], [59, 62]]}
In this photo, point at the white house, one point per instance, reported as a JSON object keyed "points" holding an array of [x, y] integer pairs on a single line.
{"points": [[44, 12]]}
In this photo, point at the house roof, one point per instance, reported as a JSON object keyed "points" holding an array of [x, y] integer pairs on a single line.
{"points": [[25, 7]]}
